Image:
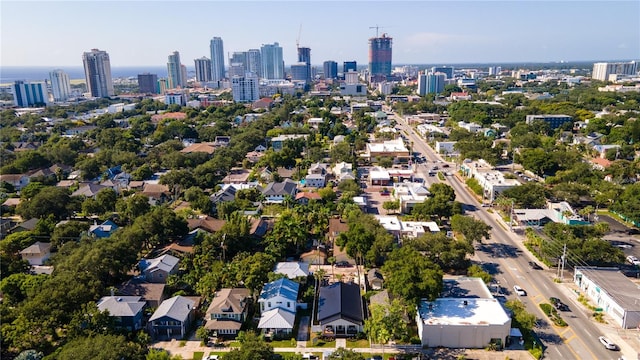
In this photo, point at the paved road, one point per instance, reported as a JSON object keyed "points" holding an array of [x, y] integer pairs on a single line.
{"points": [[504, 256]]}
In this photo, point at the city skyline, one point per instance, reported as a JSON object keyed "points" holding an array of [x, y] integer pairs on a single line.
{"points": [[422, 31]]}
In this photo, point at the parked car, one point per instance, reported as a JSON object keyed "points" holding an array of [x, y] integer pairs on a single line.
{"points": [[343, 264], [520, 291], [608, 344], [633, 260], [534, 265]]}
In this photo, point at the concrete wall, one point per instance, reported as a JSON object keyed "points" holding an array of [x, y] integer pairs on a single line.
{"points": [[462, 336]]}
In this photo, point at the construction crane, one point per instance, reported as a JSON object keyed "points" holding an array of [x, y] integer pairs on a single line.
{"points": [[298, 38], [376, 27]]}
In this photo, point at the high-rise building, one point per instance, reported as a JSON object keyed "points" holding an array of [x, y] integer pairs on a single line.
{"points": [[174, 71], [349, 65], [330, 68], [217, 59], [245, 88], [272, 61], [163, 85], [431, 83], [304, 56], [148, 83], [602, 70], [380, 57], [351, 77], [236, 69], [27, 93], [447, 70], [254, 62], [97, 72], [300, 72], [60, 85], [203, 69]]}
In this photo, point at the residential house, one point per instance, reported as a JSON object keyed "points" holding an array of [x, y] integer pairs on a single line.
{"points": [[103, 230], [277, 143], [205, 223], [207, 148], [157, 270], [227, 312], [173, 318], [292, 270], [304, 197], [156, 193], [236, 175], [36, 254], [126, 311], [44, 173], [89, 190], [317, 176], [278, 303], [18, 181], [375, 279], [275, 192], [25, 226], [343, 171], [152, 294], [227, 193], [315, 256], [222, 141], [340, 312], [409, 194]]}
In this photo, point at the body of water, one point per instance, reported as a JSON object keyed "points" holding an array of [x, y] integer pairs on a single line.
{"points": [[9, 74]]}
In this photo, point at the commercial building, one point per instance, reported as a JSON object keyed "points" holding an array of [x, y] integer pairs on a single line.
{"points": [[380, 57], [394, 149], [203, 69], [330, 68], [60, 85], [466, 316], [349, 66], [602, 70], [447, 70], [27, 93], [492, 181], [300, 72], [612, 292], [148, 83], [97, 72], [272, 61], [217, 59], [174, 71], [245, 88], [554, 121]]}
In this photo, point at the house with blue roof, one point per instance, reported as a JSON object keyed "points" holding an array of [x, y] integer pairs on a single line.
{"points": [[278, 305], [103, 230]]}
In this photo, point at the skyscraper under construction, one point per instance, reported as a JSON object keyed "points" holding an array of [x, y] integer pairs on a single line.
{"points": [[380, 57]]}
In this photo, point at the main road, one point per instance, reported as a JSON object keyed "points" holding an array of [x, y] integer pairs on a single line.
{"points": [[505, 259]]}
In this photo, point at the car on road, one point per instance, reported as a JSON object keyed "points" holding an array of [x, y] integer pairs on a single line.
{"points": [[343, 264], [558, 304], [633, 260], [519, 291], [212, 357], [534, 265], [608, 344]]}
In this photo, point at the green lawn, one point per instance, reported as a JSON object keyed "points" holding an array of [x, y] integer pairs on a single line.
{"points": [[291, 343], [358, 343], [198, 355]]}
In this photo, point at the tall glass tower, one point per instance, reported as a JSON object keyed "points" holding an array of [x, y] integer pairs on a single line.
{"points": [[304, 56], [203, 69], [272, 61], [217, 59], [97, 72], [60, 85], [174, 71], [380, 57]]}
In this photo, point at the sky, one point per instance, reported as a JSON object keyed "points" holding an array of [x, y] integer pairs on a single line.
{"points": [[144, 33]]}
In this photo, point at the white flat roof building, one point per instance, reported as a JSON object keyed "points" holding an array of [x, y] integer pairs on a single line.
{"points": [[410, 229], [492, 181]]}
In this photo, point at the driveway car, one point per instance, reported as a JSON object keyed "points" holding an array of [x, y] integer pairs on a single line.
{"points": [[633, 260], [608, 344], [343, 264], [520, 291]]}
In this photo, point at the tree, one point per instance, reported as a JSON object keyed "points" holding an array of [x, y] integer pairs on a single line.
{"points": [[101, 347], [386, 322], [523, 319], [50, 200], [132, 207], [391, 205], [527, 196], [476, 271], [161, 354], [412, 276], [446, 252], [252, 346], [472, 229]]}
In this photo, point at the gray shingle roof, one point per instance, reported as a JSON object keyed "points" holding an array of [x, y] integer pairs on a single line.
{"points": [[340, 301], [121, 305], [281, 188], [177, 308], [165, 263]]}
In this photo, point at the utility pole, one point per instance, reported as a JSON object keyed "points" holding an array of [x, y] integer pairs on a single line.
{"points": [[564, 256], [511, 216]]}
